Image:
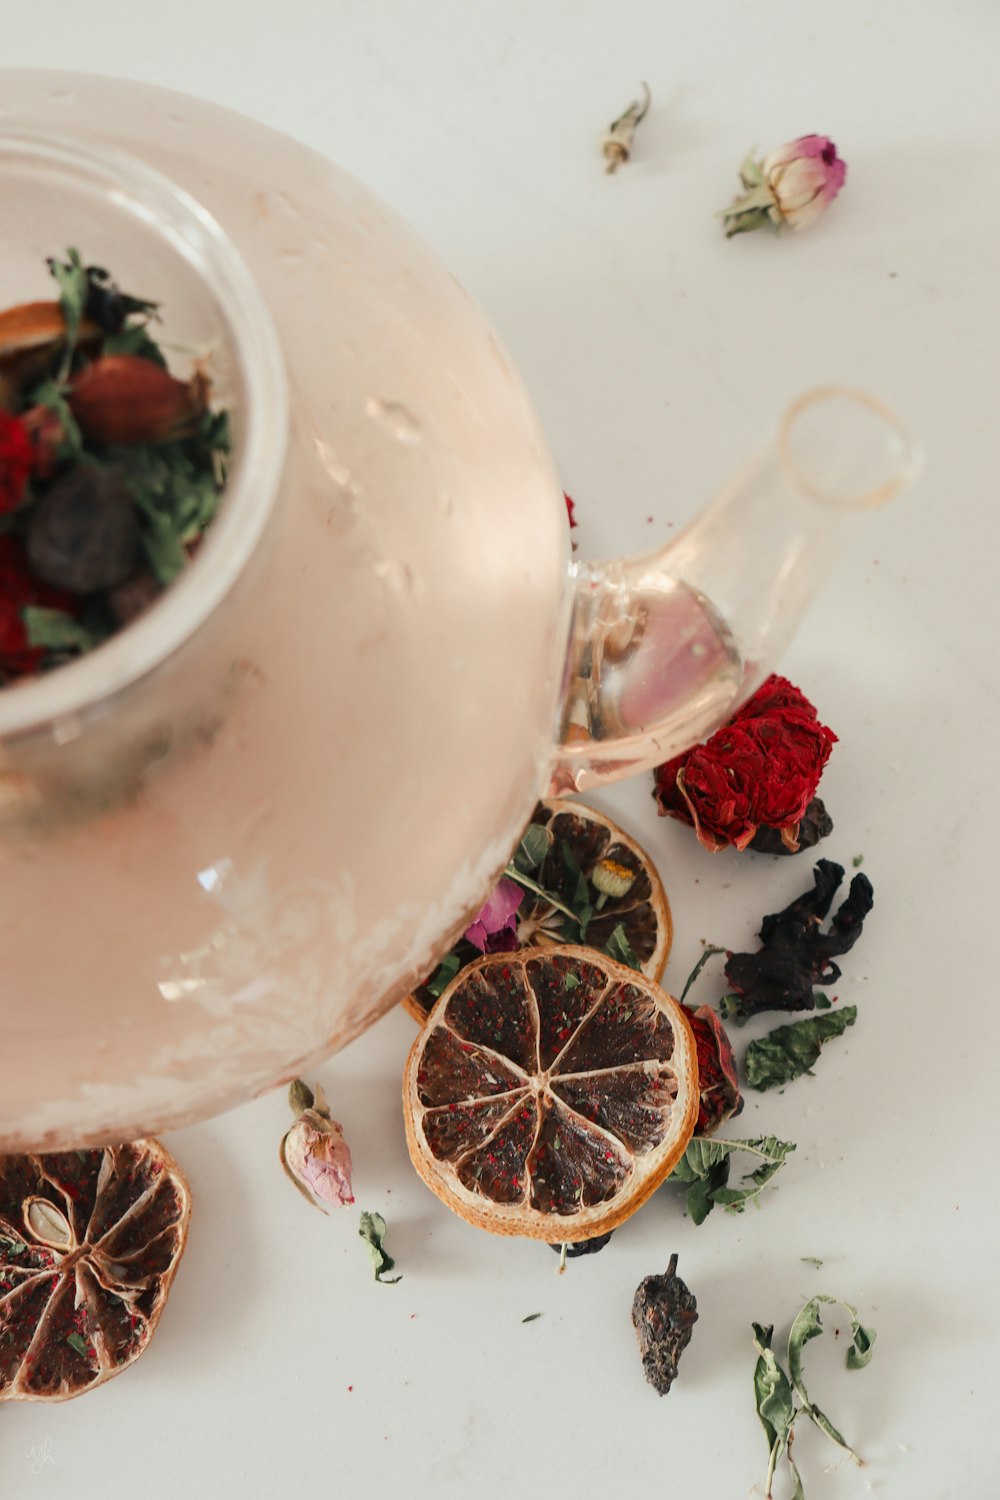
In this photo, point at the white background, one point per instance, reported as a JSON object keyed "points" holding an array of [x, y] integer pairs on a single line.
{"points": [[658, 354]]}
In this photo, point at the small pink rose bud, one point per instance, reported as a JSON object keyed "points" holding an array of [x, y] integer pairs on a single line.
{"points": [[314, 1153], [793, 185]]}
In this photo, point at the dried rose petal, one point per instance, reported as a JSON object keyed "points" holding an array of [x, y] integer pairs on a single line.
{"points": [[718, 1080], [494, 928]]}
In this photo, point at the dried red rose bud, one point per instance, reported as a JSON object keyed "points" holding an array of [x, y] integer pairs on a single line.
{"points": [[123, 399], [760, 770], [15, 461], [47, 437], [83, 534], [718, 1080], [314, 1153]]}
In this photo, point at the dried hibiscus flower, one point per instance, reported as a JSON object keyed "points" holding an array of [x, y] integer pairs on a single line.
{"points": [[797, 954], [759, 771]]}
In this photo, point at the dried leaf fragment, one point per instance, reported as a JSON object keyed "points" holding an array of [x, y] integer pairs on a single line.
{"points": [[617, 143]]}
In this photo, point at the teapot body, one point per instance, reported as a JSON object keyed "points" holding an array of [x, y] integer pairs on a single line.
{"points": [[317, 785]]}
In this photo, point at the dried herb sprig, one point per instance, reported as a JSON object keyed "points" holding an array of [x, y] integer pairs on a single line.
{"points": [[776, 1389]]}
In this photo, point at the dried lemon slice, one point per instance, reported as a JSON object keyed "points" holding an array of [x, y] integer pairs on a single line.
{"points": [[623, 886], [550, 1093], [89, 1244]]}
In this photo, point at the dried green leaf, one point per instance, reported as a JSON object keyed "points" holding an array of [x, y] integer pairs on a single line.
{"points": [[775, 1405], [134, 339], [808, 1325], [789, 1051], [531, 1317], [580, 900], [372, 1231], [619, 947], [534, 846], [811, 1260], [52, 394], [55, 630], [705, 1165], [77, 1342], [74, 285], [444, 974]]}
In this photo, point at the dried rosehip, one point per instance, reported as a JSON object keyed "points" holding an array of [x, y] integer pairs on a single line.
{"points": [[664, 1313], [84, 533], [125, 399]]}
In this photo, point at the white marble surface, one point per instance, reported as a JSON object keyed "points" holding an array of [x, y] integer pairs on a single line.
{"points": [[656, 352]]}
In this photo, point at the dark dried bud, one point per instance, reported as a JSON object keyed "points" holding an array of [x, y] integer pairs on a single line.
{"points": [[664, 1313], [84, 533], [584, 1247], [815, 824], [124, 399]]}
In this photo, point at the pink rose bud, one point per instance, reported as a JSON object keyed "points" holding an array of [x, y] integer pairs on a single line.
{"points": [[793, 185], [314, 1153]]}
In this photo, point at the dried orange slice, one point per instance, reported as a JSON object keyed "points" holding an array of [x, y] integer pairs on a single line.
{"points": [[89, 1244], [550, 1093], [583, 842]]}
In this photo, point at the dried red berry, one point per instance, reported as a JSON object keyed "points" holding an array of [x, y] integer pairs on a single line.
{"points": [[19, 588], [15, 460]]}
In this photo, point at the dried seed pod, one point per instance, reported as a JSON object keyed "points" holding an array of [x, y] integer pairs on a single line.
{"points": [[664, 1313], [83, 534], [123, 399]]}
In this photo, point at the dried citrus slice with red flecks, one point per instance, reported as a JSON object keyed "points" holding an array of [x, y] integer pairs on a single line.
{"points": [[620, 885], [89, 1244], [550, 1093]]}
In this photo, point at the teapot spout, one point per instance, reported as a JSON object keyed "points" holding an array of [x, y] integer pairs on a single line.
{"points": [[665, 647]]}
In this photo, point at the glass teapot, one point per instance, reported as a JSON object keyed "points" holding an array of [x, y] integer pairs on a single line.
{"points": [[239, 831]]}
